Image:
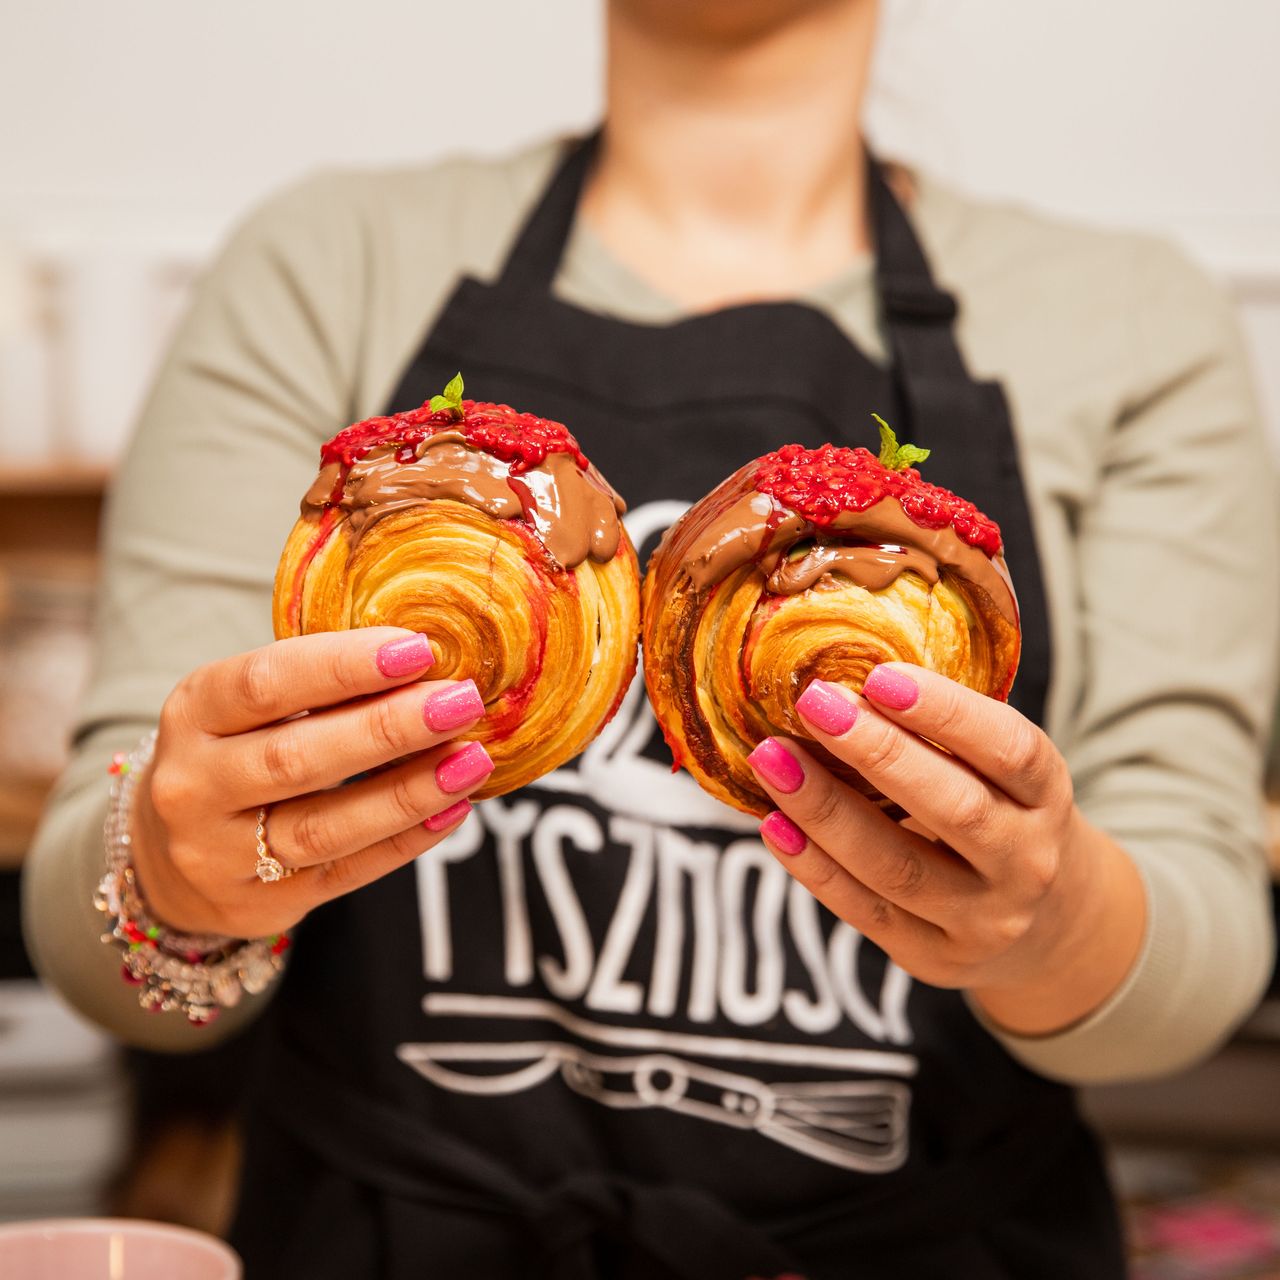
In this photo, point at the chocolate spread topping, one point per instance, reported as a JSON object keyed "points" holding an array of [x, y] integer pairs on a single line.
{"points": [[872, 548], [871, 567], [573, 511]]}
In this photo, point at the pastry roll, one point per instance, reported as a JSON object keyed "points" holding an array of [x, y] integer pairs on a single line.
{"points": [[815, 563], [490, 531]]}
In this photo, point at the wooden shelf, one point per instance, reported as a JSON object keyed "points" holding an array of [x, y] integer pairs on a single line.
{"points": [[54, 478], [50, 506], [50, 510], [21, 802]]}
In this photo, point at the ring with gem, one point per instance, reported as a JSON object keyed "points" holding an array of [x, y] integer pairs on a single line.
{"points": [[268, 868]]}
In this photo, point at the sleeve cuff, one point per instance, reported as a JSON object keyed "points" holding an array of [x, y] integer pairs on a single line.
{"points": [[1192, 983]]}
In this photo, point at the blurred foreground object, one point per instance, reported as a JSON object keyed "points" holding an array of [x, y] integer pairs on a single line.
{"points": [[113, 1249]]}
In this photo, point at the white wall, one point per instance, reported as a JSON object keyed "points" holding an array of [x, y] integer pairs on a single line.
{"points": [[169, 117], [1161, 113], [1154, 113], [136, 130]]}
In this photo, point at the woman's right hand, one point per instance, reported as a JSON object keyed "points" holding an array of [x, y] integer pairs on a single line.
{"points": [[282, 727]]}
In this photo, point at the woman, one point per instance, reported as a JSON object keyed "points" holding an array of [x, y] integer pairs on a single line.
{"points": [[580, 1034]]}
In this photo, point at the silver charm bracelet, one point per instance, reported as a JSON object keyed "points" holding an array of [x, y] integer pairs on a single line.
{"points": [[198, 974]]}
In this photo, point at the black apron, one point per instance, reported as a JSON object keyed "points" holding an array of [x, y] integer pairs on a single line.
{"points": [[599, 1032]]}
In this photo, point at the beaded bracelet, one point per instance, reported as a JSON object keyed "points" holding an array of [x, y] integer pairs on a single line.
{"points": [[199, 974]]}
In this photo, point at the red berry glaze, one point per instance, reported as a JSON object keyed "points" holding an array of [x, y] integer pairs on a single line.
{"points": [[522, 439], [820, 484]]}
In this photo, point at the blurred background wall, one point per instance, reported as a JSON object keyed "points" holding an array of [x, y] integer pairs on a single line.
{"points": [[136, 132]]}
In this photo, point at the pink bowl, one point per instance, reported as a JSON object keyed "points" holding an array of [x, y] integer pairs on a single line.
{"points": [[112, 1249]]}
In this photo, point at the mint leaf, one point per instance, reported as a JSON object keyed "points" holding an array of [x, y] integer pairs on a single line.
{"points": [[908, 455], [888, 442], [451, 399], [895, 456]]}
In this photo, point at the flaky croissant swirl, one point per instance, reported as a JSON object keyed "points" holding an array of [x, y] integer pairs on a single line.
{"points": [[814, 564], [489, 531]]}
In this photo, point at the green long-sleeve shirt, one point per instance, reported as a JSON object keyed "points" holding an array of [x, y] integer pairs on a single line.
{"points": [[1149, 483]]}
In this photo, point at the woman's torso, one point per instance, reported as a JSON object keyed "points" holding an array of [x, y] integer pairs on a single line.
{"points": [[607, 975]]}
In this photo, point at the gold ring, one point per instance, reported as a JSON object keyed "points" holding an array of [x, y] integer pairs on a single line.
{"points": [[268, 868]]}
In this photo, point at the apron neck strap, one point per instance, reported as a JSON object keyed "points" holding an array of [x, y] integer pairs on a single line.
{"points": [[908, 292], [917, 313], [535, 256], [918, 316]]}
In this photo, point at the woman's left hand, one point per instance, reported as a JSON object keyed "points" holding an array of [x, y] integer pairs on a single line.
{"points": [[1019, 899]]}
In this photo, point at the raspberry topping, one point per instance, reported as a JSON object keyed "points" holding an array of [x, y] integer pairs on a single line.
{"points": [[522, 439], [819, 484]]}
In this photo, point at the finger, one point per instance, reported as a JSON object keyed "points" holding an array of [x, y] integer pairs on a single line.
{"points": [[279, 680], [1000, 743], [272, 908], [895, 864], [964, 810], [315, 829], [888, 925], [320, 750], [264, 909], [344, 875]]}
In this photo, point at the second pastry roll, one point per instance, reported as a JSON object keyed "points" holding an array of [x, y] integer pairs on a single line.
{"points": [[814, 564]]}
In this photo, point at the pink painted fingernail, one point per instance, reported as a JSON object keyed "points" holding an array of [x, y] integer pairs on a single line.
{"points": [[826, 706], [453, 707], [780, 831], [448, 817], [404, 656], [464, 768], [777, 766], [890, 688]]}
